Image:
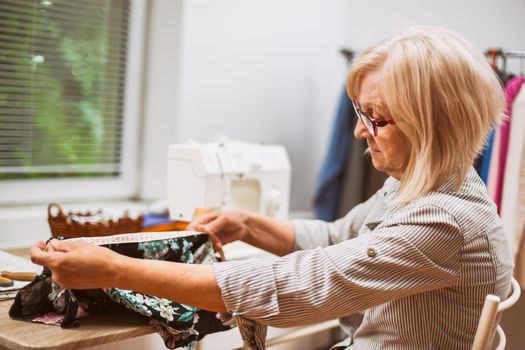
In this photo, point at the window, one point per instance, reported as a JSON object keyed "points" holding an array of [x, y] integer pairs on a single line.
{"points": [[68, 99]]}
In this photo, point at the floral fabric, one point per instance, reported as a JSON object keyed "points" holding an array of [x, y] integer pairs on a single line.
{"points": [[178, 324]]}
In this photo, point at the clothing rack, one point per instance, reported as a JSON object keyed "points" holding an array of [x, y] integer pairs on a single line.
{"points": [[508, 53], [494, 53], [347, 53]]}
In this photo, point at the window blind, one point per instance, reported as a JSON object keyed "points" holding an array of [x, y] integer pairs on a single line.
{"points": [[62, 80]]}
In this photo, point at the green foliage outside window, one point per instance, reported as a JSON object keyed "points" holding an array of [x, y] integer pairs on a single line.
{"points": [[62, 76]]}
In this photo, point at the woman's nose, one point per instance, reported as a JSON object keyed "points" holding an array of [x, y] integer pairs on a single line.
{"points": [[360, 131]]}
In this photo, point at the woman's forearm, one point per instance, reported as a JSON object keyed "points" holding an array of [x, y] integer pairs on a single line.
{"points": [[184, 283], [273, 235]]}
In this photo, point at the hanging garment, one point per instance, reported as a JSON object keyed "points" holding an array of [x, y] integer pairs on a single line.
{"points": [[179, 325], [328, 192], [485, 158], [513, 200], [493, 167], [482, 162], [511, 91], [353, 178], [360, 179]]}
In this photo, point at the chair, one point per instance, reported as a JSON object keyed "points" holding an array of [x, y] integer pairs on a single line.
{"points": [[492, 308]]}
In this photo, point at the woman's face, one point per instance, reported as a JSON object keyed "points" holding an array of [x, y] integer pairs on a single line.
{"points": [[390, 148]]}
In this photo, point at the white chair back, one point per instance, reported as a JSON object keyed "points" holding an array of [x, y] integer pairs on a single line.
{"points": [[492, 308]]}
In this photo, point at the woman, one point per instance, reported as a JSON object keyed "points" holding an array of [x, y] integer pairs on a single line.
{"points": [[407, 269]]}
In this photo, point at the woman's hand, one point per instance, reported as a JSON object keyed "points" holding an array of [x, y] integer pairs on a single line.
{"points": [[224, 227], [77, 264], [273, 235]]}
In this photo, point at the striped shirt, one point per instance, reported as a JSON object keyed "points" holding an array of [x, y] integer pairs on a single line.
{"points": [[398, 276]]}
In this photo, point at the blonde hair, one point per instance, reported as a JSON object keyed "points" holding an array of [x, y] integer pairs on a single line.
{"points": [[444, 97]]}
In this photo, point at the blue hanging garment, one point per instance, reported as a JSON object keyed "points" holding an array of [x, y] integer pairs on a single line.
{"points": [[328, 192]]}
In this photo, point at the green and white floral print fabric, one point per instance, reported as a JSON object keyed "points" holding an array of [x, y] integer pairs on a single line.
{"points": [[179, 325]]}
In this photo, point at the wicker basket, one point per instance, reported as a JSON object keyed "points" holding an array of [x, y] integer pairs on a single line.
{"points": [[89, 224]]}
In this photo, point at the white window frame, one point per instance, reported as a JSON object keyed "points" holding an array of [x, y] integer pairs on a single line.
{"points": [[124, 186]]}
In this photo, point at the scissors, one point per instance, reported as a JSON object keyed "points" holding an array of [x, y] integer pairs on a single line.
{"points": [[7, 278]]}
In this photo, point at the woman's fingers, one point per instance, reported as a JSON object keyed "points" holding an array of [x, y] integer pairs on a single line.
{"points": [[41, 244], [209, 218], [69, 245], [216, 225], [58, 246], [201, 221], [217, 246], [38, 254], [216, 242]]}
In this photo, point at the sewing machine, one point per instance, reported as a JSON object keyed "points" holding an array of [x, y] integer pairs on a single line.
{"points": [[226, 175]]}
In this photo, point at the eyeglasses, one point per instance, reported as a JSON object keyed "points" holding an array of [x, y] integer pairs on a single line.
{"points": [[370, 123]]}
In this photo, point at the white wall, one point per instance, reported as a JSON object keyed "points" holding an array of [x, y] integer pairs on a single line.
{"points": [[261, 71], [487, 23], [270, 70], [161, 77]]}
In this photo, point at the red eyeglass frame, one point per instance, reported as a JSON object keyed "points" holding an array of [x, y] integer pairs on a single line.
{"points": [[374, 123]]}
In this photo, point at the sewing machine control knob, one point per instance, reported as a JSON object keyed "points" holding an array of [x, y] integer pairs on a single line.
{"points": [[274, 202]]}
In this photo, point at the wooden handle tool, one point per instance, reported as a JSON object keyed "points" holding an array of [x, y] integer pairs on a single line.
{"points": [[18, 276]]}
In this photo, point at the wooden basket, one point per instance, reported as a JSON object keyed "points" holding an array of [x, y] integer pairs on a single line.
{"points": [[89, 224]]}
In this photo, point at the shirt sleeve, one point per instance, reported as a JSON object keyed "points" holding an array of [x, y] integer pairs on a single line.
{"points": [[311, 234], [417, 252]]}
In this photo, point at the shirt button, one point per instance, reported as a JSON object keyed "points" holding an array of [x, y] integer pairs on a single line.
{"points": [[371, 252]]}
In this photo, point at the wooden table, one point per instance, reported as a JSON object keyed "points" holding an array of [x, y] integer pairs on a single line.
{"points": [[94, 330]]}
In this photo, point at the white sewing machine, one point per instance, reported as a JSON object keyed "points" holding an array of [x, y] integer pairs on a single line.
{"points": [[228, 175]]}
